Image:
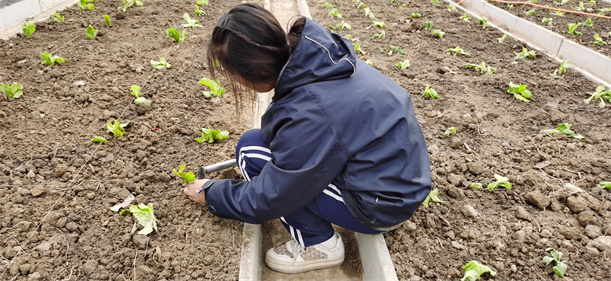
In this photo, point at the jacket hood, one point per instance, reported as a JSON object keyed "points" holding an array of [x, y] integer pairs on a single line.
{"points": [[319, 56]]}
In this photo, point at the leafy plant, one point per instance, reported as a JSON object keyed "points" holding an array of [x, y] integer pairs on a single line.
{"points": [[435, 2], [500, 182], [403, 64], [589, 23], [13, 91], [580, 7], [452, 8], [605, 184], [598, 40], [562, 68], [564, 128], [334, 13], [601, 94], [475, 185], [176, 35], [379, 24], [188, 177], [438, 33], [49, 59], [428, 25], [212, 135], [357, 48], [379, 35], [145, 216], [549, 21], [391, 49], [415, 15], [433, 196], [136, 93], [369, 14], [84, 4], [57, 18], [190, 22], [202, 2], [430, 92], [128, 4], [98, 139], [198, 11], [359, 6], [162, 63], [91, 32], [560, 266], [483, 22], [573, 29], [107, 20], [531, 12], [525, 54], [465, 18], [558, 13], [116, 128], [344, 25], [28, 29], [327, 5], [482, 68], [474, 270], [502, 39], [449, 131], [215, 88], [457, 51], [520, 92]]}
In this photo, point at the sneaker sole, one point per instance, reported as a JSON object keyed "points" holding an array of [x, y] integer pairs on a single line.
{"points": [[289, 267]]}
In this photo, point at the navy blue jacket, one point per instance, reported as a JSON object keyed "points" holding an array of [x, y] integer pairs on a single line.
{"points": [[334, 119]]}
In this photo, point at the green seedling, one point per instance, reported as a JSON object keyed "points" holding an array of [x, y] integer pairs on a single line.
{"points": [[176, 35], [188, 177], [556, 258], [601, 94], [368, 13], [500, 182], [136, 93], [520, 92], [432, 197], [438, 33], [598, 40], [202, 2], [589, 23], [358, 49], [573, 29], [474, 271], [476, 185], [465, 17], [561, 3], [403, 64], [483, 22], [215, 88], [84, 4], [549, 21], [198, 12], [98, 139], [449, 131], [605, 184], [564, 128], [379, 35], [452, 8], [190, 23], [161, 64], [344, 25], [457, 51], [49, 59], [403, 6], [430, 92], [128, 4], [603, 11], [391, 49], [369, 62], [334, 13], [435, 2], [482, 68], [415, 15], [361, 5], [145, 216], [91, 32], [531, 12], [562, 68], [428, 25], [211, 135], [28, 29], [379, 24], [116, 128], [502, 39], [107, 20], [57, 18], [558, 13], [13, 91], [328, 5], [525, 54], [580, 7]]}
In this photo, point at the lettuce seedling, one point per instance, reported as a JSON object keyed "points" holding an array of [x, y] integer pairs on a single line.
{"points": [[202, 2], [605, 184], [215, 88], [564, 128], [435, 2], [198, 12], [162, 63], [415, 15], [136, 93], [327, 5], [84, 4], [107, 20], [391, 49], [188, 177], [483, 22], [379, 35], [98, 139], [361, 5], [91, 32], [358, 49], [474, 270], [176, 35], [128, 4], [431, 197], [211, 135], [428, 25], [49, 59], [580, 7], [599, 94], [369, 14], [57, 18], [28, 29], [452, 8], [475, 185], [145, 216], [457, 51], [556, 257], [430, 92], [598, 40], [549, 21], [500, 181], [573, 29], [118, 129], [502, 39], [13, 91], [438, 33], [190, 22], [589, 23], [449, 131], [482, 68], [520, 92], [465, 17], [562, 68], [403, 64], [343, 25], [334, 13], [525, 54], [531, 12]]}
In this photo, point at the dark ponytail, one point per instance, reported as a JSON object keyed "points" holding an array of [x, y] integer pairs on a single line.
{"points": [[248, 42]]}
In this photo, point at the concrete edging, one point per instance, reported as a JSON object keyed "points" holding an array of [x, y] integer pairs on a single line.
{"points": [[590, 63], [15, 14]]}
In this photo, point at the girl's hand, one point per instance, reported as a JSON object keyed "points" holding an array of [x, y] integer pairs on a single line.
{"points": [[190, 189]]}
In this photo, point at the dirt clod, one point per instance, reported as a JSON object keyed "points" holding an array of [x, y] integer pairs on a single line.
{"points": [[538, 199]]}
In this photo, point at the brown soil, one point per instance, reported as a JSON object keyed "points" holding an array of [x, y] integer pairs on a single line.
{"points": [[559, 24], [50, 171]]}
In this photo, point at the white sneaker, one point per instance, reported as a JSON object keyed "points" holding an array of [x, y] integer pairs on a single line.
{"points": [[291, 257]]}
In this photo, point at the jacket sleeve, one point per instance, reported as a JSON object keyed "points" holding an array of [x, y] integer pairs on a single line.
{"points": [[307, 157]]}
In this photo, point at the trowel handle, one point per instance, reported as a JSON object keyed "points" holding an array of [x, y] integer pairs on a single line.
{"points": [[201, 173]]}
